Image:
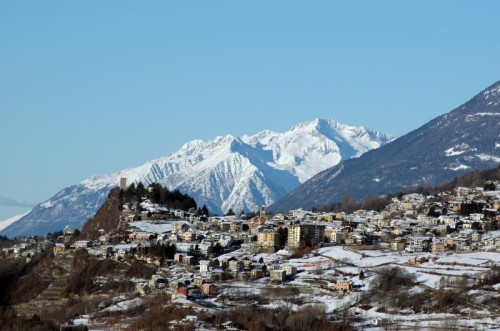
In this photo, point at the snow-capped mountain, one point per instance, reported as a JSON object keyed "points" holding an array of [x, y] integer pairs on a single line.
{"points": [[463, 140], [227, 172]]}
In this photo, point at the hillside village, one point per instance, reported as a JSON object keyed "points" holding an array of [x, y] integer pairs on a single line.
{"points": [[297, 259]]}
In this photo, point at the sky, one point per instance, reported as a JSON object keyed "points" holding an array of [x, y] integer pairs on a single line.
{"points": [[92, 87]]}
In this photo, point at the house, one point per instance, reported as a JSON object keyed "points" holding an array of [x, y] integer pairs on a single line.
{"points": [[476, 237], [83, 244], [104, 239], [247, 262], [236, 226], [256, 274], [278, 275], [59, 248], [199, 281], [189, 236], [183, 290], [235, 265], [419, 244], [178, 257], [209, 289], [336, 237], [140, 236], [174, 238], [226, 241], [204, 266], [343, 286], [398, 244], [438, 246], [417, 260], [268, 238], [376, 322], [243, 276], [188, 259], [179, 213], [158, 281], [106, 250], [180, 227], [290, 270]]}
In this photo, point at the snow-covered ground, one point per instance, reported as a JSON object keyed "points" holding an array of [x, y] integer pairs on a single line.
{"points": [[153, 227], [319, 270], [124, 305]]}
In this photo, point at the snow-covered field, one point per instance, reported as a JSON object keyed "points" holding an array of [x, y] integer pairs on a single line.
{"points": [[319, 270]]}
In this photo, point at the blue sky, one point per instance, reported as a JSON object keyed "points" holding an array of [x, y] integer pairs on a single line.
{"points": [[91, 87]]}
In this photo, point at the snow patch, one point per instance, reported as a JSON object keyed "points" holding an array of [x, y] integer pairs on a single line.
{"points": [[492, 92], [458, 167], [459, 149], [47, 204], [474, 117], [125, 305], [485, 157]]}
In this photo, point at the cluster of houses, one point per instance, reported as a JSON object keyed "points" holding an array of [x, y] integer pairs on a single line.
{"points": [[412, 222]]}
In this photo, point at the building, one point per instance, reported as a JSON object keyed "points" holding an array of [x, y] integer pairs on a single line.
{"points": [[256, 274], [290, 270], [302, 235], [268, 238], [236, 226], [438, 246], [398, 244], [336, 237], [235, 265], [209, 289], [417, 260], [204, 266], [59, 248], [476, 237], [278, 275], [83, 244], [178, 257], [343, 286], [263, 212], [199, 281], [123, 183]]}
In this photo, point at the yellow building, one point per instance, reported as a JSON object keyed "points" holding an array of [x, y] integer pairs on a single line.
{"points": [[268, 238]]}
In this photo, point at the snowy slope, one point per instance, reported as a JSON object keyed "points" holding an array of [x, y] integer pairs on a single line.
{"points": [[227, 172], [9, 221]]}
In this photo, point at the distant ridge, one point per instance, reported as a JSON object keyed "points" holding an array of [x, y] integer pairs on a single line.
{"points": [[242, 173], [465, 139]]}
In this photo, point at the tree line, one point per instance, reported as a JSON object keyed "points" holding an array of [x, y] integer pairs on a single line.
{"points": [[158, 194]]}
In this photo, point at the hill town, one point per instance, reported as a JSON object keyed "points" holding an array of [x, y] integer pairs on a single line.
{"points": [[425, 259]]}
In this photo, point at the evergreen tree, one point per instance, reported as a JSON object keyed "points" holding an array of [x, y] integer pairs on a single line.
{"points": [[204, 210]]}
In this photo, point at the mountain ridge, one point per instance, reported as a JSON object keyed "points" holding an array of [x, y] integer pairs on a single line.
{"points": [[465, 139], [241, 173]]}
